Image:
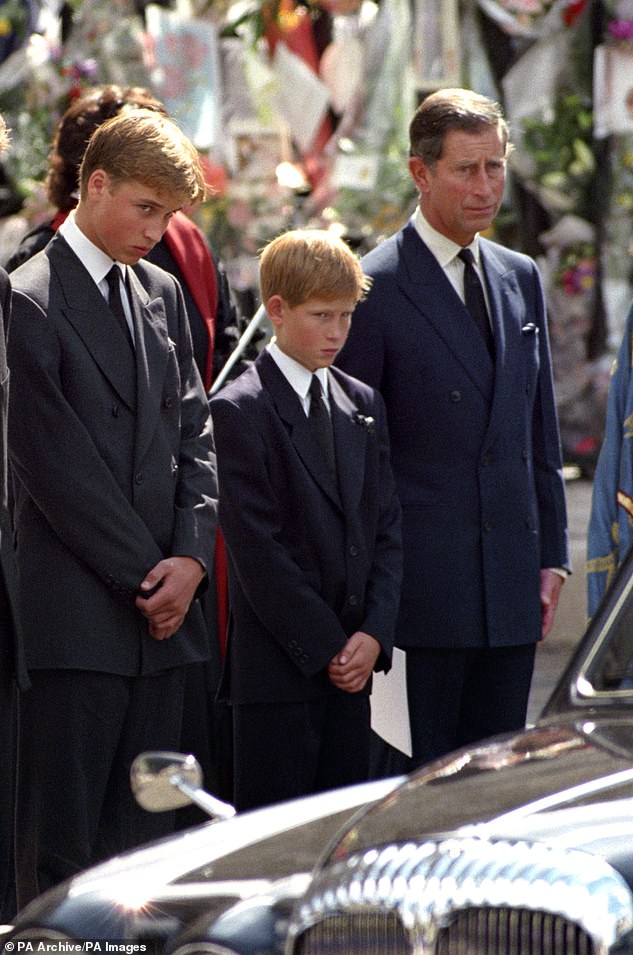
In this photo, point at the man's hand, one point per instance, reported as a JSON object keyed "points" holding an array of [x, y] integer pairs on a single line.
{"points": [[350, 669], [172, 584], [551, 584]]}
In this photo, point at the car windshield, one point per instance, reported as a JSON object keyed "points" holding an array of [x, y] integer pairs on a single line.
{"points": [[607, 668]]}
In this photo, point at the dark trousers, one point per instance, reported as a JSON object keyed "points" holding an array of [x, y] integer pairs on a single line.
{"points": [[78, 734], [286, 750], [7, 782], [458, 697]]}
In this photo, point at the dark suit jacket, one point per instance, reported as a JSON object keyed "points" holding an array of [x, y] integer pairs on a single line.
{"points": [[114, 465], [9, 649], [475, 445], [308, 564]]}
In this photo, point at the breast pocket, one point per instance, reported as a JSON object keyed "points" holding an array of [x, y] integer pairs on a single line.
{"points": [[530, 342]]}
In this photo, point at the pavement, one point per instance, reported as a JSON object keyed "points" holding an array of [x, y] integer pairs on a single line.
{"points": [[553, 654]]}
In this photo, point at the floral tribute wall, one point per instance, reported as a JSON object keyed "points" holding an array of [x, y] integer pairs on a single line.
{"points": [[300, 109]]}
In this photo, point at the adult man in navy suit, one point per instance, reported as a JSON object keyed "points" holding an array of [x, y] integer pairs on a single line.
{"points": [[475, 443], [312, 528]]}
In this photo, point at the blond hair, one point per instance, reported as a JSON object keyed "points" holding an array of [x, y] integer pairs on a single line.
{"points": [[310, 263], [147, 147]]}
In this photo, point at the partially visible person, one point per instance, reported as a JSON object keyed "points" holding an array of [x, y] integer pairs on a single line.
{"points": [[610, 530], [112, 458], [9, 662], [312, 528], [459, 351]]}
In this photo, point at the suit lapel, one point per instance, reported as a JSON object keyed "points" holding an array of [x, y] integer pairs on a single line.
{"points": [[350, 442], [87, 311], [506, 310], [292, 414], [423, 281], [152, 346]]}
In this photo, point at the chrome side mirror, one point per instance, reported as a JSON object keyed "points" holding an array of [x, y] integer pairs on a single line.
{"points": [[162, 781]]}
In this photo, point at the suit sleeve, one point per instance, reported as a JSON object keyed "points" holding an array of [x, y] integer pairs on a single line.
{"points": [[272, 582], [546, 450], [195, 517]]}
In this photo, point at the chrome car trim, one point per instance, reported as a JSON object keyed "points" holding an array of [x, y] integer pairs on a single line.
{"points": [[425, 883]]}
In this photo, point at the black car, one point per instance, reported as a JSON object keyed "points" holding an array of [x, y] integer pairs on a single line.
{"points": [[521, 845]]}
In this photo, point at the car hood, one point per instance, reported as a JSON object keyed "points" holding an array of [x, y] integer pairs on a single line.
{"points": [[568, 784], [217, 863]]}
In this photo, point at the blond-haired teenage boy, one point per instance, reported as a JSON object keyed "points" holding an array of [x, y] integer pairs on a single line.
{"points": [[115, 496], [312, 533]]}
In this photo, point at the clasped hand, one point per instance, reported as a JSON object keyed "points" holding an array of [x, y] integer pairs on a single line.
{"points": [[172, 584], [350, 669]]}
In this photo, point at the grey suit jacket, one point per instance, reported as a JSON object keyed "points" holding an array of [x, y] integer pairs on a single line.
{"points": [[114, 465]]}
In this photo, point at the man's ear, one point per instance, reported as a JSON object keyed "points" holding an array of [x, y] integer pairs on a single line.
{"points": [[419, 173], [98, 182], [275, 309]]}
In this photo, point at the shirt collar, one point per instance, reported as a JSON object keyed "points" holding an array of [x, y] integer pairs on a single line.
{"points": [[297, 374], [97, 262], [443, 249]]}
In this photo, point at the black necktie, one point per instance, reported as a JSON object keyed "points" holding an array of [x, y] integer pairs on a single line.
{"points": [[474, 298], [321, 424], [113, 278]]}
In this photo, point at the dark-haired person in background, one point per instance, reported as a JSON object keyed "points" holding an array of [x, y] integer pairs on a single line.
{"points": [[183, 251]]}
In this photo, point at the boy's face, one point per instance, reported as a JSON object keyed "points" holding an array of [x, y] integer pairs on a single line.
{"points": [[125, 219], [312, 333]]}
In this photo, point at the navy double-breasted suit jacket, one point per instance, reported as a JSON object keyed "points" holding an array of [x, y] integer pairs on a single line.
{"points": [[475, 446], [112, 455], [309, 563]]}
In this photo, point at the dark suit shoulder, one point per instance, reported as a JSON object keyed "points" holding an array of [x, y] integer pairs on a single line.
{"points": [[32, 243], [155, 278], [246, 387], [510, 257], [357, 390], [33, 278]]}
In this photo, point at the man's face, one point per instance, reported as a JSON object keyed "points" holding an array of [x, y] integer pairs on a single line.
{"points": [[126, 219], [461, 193], [312, 333]]}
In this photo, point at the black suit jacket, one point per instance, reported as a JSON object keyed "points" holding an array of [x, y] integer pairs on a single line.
{"points": [[309, 563], [113, 460]]}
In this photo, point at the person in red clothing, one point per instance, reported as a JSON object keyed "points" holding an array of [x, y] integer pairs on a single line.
{"points": [[184, 252]]}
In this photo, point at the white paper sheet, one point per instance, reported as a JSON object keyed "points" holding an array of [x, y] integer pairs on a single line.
{"points": [[389, 707]]}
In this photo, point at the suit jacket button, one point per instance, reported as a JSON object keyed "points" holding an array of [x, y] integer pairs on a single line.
{"points": [[456, 396], [353, 550], [115, 411], [487, 525], [352, 600], [138, 478], [168, 402]]}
